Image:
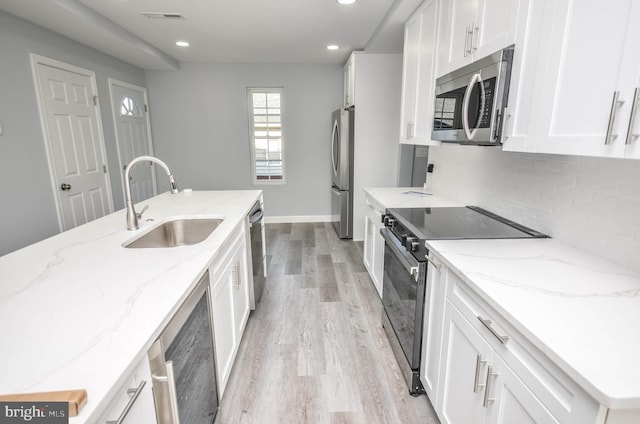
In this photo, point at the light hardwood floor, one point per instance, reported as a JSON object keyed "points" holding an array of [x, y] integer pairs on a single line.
{"points": [[314, 350]]}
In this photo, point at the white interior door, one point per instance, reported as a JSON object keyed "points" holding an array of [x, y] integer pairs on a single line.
{"points": [[74, 141], [133, 136]]}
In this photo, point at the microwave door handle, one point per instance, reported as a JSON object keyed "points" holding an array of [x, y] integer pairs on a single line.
{"points": [[476, 78]]}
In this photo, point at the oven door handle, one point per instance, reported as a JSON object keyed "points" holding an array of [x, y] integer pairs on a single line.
{"points": [[409, 262]]}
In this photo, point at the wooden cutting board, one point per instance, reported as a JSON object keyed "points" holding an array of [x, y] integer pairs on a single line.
{"points": [[77, 399]]}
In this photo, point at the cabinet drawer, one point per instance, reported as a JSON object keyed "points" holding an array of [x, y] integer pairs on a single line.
{"points": [[549, 384], [133, 400]]}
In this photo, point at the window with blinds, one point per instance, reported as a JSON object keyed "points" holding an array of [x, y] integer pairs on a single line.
{"points": [[266, 134]]}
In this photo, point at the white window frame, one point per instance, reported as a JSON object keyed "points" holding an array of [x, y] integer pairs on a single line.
{"points": [[252, 142]]}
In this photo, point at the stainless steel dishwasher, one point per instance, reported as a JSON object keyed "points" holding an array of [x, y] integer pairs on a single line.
{"points": [[258, 254]]}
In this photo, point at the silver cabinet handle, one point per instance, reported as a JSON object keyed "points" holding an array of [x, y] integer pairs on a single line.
{"points": [[433, 262], [487, 323], [476, 380], [474, 38], [467, 40], [134, 396], [615, 104], [487, 387], [632, 118], [475, 79], [236, 276], [409, 130]]}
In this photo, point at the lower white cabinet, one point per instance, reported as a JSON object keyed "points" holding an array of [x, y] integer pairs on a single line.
{"points": [[230, 305], [489, 373], [374, 242], [133, 402]]}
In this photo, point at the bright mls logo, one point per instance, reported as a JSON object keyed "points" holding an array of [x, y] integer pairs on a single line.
{"points": [[34, 412]]}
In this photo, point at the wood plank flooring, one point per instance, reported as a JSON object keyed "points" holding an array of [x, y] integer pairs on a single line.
{"points": [[314, 350]]}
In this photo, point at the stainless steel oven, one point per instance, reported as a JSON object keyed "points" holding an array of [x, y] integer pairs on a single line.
{"points": [[182, 363], [406, 267], [403, 289]]}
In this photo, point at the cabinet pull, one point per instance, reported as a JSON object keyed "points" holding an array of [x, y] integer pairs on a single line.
{"points": [[487, 323], [409, 130], [487, 387], [474, 38], [134, 393], [476, 380], [432, 262], [236, 276], [468, 32], [632, 118], [615, 104]]}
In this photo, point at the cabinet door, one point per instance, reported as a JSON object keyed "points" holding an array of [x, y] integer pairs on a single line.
{"points": [[629, 88], [349, 83], [510, 401], [435, 297], [463, 367], [241, 303], [584, 47], [137, 391], [456, 27], [410, 58], [495, 26], [223, 325]]}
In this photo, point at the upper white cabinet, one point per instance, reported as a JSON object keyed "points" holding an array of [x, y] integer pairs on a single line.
{"points": [[471, 29], [418, 75], [585, 78], [349, 85]]}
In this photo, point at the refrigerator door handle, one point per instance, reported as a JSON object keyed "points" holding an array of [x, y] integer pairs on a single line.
{"points": [[334, 139]]}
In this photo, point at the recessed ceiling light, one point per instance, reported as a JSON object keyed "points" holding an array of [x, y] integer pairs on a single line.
{"points": [[333, 47], [346, 1], [182, 43]]}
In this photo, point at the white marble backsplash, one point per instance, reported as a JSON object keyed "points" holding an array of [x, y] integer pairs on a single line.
{"points": [[590, 203]]}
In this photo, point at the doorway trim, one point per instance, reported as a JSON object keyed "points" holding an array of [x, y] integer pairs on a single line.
{"points": [[36, 60], [112, 82]]}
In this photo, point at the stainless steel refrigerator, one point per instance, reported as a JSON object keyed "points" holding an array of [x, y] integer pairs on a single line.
{"points": [[342, 171]]}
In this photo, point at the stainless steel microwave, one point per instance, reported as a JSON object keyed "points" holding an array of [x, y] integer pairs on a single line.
{"points": [[470, 102]]}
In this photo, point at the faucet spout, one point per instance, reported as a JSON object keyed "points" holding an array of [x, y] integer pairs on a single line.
{"points": [[132, 217]]}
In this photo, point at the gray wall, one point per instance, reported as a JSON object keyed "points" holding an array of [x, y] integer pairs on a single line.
{"points": [[199, 121], [28, 212]]}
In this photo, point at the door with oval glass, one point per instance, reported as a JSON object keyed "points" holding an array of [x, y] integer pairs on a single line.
{"points": [[133, 136], [74, 141]]}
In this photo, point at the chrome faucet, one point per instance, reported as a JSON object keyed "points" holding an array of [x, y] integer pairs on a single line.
{"points": [[132, 216]]}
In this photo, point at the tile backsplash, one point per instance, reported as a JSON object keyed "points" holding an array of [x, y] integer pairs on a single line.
{"points": [[589, 203]]}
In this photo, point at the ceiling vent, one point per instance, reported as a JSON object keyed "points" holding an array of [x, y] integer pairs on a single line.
{"points": [[163, 15]]}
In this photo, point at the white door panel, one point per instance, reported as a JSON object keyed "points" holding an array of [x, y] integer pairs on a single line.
{"points": [[131, 121], [74, 142]]}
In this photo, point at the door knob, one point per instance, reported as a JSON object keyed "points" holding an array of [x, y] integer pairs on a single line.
{"points": [[65, 186]]}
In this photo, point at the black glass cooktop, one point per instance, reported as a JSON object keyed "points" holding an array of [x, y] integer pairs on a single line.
{"points": [[451, 223]]}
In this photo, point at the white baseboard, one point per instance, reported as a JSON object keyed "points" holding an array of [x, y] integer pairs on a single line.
{"points": [[297, 219]]}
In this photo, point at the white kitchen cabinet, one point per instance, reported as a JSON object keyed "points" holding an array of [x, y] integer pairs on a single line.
{"points": [[230, 305], [472, 29], [418, 75], [435, 297], [349, 86], [374, 242], [134, 399], [490, 374], [586, 77]]}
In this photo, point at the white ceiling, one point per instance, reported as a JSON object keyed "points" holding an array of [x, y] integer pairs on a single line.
{"points": [[236, 31]]}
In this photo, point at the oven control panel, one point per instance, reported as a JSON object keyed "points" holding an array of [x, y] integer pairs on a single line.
{"points": [[407, 238]]}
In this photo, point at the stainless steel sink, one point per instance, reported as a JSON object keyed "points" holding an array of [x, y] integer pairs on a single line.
{"points": [[177, 232]]}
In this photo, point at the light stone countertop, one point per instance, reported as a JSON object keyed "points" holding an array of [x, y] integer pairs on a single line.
{"points": [[78, 311], [408, 197], [581, 311]]}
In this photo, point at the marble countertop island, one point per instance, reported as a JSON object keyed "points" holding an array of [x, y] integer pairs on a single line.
{"points": [[78, 310], [408, 197], [581, 311]]}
